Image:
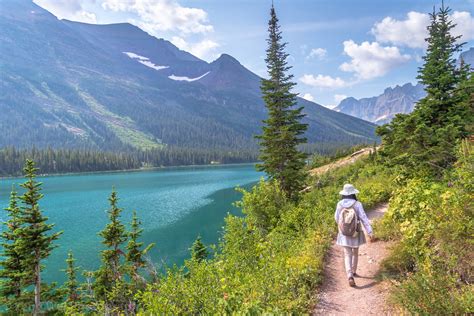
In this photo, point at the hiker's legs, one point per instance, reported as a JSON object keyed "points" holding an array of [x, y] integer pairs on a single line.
{"points": [[348, 261], [355, 259]]}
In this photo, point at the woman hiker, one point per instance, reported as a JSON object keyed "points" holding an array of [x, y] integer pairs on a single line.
{"points": [[349, 214]]}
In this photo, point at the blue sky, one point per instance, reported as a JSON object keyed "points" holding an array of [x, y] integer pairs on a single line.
{"points": [[337, 47]]}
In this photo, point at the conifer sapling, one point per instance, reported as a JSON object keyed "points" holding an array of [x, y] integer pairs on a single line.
{"points": [[198, 250]]}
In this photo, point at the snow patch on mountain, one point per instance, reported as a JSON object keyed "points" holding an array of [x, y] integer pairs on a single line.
{"points": [[184, 78], [152, 65], [383, 117], [144, 61], [135, 56]]}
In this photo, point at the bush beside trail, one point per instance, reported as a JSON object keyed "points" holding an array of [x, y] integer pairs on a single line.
{"points": [[433, 261]]}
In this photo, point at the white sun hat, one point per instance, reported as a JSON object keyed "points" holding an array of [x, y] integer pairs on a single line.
{"points": [[348, 190]]}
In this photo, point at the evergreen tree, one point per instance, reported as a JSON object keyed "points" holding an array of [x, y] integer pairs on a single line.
{"points": [[469, 103], [438, 73], [425, 140], [85, 160], [282, 130], [34, 244], [11, 260], [135, 254], [71, 286], [113, 237], [463, 113], [198, 250]]}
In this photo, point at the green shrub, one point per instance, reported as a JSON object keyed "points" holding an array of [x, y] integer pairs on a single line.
{"points": [[435, 294], [435, 251], [263, 205], [399, 263], [385, 230]]}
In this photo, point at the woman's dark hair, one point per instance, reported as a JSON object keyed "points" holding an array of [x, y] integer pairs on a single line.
{"points": [[351, 197]]}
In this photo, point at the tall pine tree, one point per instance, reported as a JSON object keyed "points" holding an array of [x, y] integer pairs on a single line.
{"points": [[282, 130], [424, 141], [34, 244], [11, 260]]}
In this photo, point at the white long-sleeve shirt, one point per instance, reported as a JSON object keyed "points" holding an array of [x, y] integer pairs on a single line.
{"points": [[352, 241]]}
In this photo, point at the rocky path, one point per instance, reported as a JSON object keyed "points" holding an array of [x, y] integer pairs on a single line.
{"points": [[342, 162], [336, 297]]}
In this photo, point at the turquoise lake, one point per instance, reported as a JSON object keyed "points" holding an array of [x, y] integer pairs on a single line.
{"points": [[175, 206]]}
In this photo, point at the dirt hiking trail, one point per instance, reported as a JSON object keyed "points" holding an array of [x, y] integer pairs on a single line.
{"points": [[339, 163], [342, 162], [336, 297]]}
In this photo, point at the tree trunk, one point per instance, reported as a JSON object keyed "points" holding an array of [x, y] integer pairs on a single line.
{"points": [[37, 288]]}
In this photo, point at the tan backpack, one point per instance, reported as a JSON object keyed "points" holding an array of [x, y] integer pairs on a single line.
{"points": [[349, 222]]}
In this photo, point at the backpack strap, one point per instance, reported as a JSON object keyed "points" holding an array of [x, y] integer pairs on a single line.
{"points": [[352, 206]]}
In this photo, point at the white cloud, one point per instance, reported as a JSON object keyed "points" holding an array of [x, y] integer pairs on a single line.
{"points": [[308, 96], [322, 81], [464, 25], [339, 97], [179, 42], [68, 9], [158, 16], [59, 7], [163, 15], [204, 49], [84, 16], [318, 53], [370, 60], [412, 31]]}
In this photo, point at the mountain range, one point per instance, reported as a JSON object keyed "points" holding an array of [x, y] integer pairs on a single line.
{"points": [[467, 57], [381, 109], [400, 99], [70, 84]]}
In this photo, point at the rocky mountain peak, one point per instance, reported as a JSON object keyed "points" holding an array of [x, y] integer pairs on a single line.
{"points": [[381, 109]]}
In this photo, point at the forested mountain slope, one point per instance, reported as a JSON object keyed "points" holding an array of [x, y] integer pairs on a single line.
{"points": [[69, 84]]}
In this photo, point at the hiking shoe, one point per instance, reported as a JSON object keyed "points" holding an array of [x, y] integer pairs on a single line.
{"points": [[352, 282], [355, 275]]}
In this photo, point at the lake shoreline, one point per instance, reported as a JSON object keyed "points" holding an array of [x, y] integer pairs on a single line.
{"points": [[61, 174], [175, 205]]}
